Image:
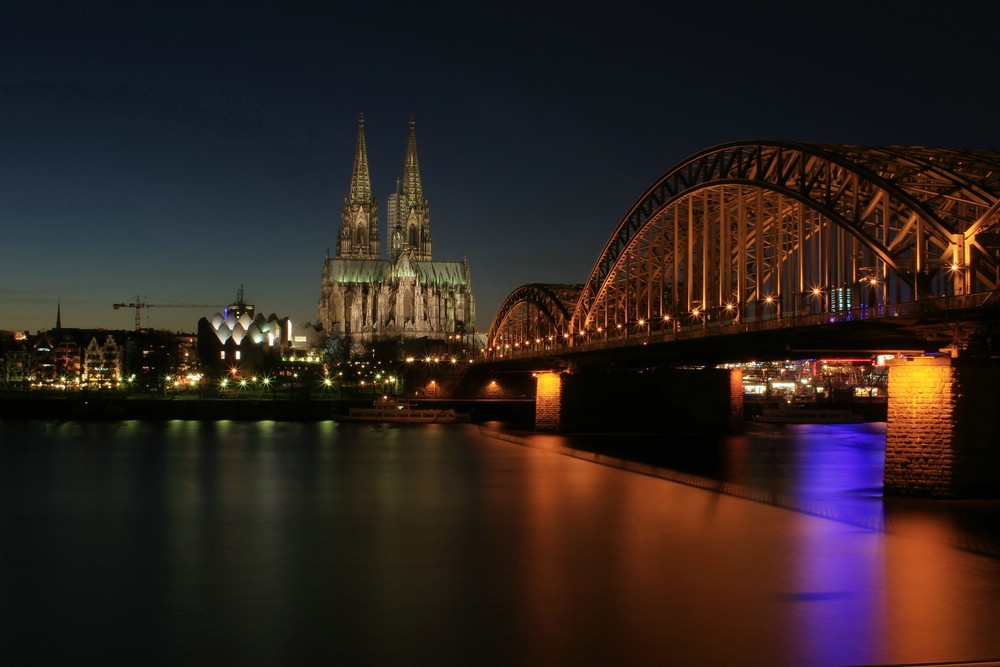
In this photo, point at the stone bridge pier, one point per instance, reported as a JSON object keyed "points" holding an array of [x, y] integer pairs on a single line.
{"points": [[667, 401], [942, 436], [943, 432]]}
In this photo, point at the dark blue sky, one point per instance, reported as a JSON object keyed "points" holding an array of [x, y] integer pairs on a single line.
{"points": [[178, 150]]}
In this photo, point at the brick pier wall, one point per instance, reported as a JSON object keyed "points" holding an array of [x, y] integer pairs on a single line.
{"points": [[736, 414], [548, 401], [943, 428]]}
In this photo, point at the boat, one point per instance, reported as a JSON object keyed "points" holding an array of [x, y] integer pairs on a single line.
{"points": [[388, 410], [800, 415]]}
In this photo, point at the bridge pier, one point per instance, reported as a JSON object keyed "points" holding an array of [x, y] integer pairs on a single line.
{"points": [[943, 421], [664, 400]]}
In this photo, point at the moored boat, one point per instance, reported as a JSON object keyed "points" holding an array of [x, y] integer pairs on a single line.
{"points": [[390, 411]]}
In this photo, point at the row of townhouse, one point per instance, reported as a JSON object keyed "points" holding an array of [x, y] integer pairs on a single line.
{"points": [[76, 359]]}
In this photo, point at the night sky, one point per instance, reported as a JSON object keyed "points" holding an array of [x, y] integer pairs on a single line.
{"points": [[177, 151]]}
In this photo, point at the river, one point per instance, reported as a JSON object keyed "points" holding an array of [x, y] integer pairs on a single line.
{"points": [[267, 543]]}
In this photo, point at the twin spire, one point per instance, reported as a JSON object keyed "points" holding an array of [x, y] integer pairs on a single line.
{"points": [[412, 192], [408, 211], [361, 182]]}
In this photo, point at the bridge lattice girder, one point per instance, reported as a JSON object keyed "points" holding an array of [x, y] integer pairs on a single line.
{"points": [[753, 230], [534, 312]]}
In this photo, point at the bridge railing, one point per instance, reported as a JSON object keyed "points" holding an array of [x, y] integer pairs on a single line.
{"points": [[672, 330]]}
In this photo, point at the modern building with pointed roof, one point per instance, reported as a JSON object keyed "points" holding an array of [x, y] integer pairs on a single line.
{"points": [[409, 294]]}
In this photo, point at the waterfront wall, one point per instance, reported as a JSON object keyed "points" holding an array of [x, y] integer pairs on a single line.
{"points": [[943, 421]]}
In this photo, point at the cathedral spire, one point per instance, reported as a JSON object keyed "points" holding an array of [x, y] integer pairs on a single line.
{"points": [[410, 226], [59, 315], [413, 191], [359, 235], [361, 182]]}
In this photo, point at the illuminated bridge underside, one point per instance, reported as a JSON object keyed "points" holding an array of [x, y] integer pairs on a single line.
{"points": [[752, 232]]}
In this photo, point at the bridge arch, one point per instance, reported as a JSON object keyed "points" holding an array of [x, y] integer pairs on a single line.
{"points": [[533, 316], [760, 230]]}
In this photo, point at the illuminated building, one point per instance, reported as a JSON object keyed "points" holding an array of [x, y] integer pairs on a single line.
{"points": [[15, 360], [67, 358], [237, 340], [102, 363], [408, 295]]}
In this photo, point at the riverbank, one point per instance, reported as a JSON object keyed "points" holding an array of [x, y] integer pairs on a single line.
{"points": [[101, 406], [104, 407]]}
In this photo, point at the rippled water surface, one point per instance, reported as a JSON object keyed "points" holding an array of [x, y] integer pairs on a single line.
{"points": [[317, 543]]}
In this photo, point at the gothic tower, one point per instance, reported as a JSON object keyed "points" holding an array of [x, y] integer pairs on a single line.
{"points": [[359, 234], [409, 213], [407, 296]]}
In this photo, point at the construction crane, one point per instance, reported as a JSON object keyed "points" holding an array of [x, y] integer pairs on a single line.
{"points": [[139, 304]]}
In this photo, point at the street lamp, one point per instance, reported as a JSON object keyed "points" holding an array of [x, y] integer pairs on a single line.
{"points": [[769, 300], [819, 298], [732, 311]]}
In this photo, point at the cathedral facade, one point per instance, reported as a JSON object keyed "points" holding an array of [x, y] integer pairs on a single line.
{"points": [[407, 293]]}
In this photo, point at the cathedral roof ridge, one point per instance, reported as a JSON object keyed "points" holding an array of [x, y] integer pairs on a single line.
{"points": [[439, 272]]}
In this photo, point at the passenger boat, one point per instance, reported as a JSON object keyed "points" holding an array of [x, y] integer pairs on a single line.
{"points": [[798, 415], [387, 410]]}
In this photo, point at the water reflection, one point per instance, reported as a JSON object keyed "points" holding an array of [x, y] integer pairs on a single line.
{"points": [[849, 578], [279, 543]]}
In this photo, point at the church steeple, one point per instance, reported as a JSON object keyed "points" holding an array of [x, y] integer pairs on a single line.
{"points": [[359, 234], [410, 226], [361, 182], [413, 191]]}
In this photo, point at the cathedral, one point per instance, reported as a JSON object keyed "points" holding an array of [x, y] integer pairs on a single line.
{"points": [[408, 294]]}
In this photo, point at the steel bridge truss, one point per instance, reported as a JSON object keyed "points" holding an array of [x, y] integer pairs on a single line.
{"points": [[534, 315], [747, 232]]}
